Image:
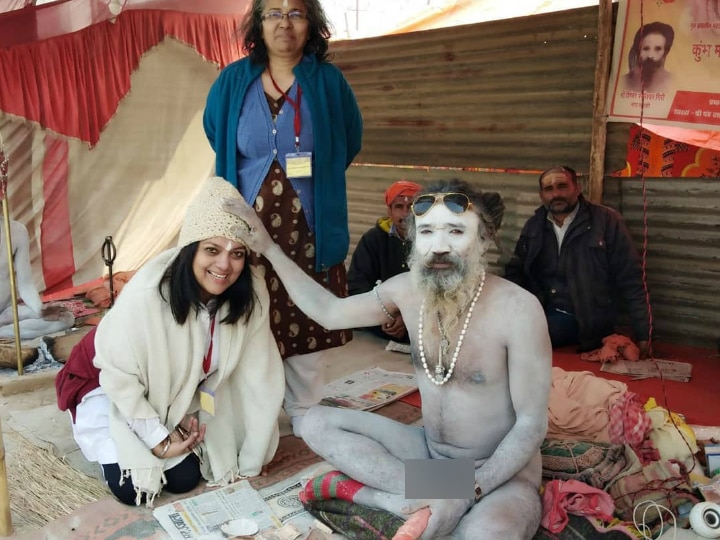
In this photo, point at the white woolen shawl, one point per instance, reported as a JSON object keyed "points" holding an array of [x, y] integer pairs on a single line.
{"points": [[150, 367]]}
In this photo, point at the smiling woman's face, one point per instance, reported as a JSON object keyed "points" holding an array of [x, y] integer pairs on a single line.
{"points": [[217, 265]]}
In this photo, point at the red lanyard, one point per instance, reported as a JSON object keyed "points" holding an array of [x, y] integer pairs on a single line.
{"points": [[295, 105], [208, 357]]}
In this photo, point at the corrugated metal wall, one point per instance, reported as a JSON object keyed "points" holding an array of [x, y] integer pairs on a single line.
{"points": [[517, 94], [683, 232], [511, 94], [683, 245]]}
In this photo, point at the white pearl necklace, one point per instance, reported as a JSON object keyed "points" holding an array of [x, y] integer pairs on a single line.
{"points": [[441, 377]]}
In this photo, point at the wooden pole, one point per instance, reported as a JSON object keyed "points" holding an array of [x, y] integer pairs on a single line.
{"points": [[13, 285], [6, 528], [4, 165], [599, 126], [5, 517]]}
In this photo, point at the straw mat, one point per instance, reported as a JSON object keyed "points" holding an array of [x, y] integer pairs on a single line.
{"points": [[42, 486]]}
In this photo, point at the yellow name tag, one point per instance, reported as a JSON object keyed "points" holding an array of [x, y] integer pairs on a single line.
{"points": [[298, 165], [207, 400]]}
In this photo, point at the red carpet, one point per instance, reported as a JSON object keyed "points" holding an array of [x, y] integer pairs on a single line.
{"points": [[697, 400]]}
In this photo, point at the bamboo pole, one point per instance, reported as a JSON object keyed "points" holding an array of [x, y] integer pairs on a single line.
{"points": [[4, 163], [6, 528], [599, 125], [5, 516]]}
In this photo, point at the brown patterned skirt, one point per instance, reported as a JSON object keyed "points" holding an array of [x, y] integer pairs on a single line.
{"points": [[280, 210]]}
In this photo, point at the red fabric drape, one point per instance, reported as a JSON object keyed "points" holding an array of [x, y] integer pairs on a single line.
{"points": [[57, 261], [73, 84], [17, 27], [653, 155]]}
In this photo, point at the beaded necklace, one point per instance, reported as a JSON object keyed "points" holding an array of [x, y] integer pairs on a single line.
{"points": [[441, 376]]}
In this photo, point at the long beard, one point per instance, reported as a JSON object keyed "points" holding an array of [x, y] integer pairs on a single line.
{"points": [[449, 291], [649, 68]]}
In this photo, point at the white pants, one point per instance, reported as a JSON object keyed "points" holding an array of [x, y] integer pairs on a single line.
{"points": [[303, 385], [91, 428]]}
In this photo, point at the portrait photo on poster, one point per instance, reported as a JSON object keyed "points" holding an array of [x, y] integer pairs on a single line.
{"points": [[666, 64]]}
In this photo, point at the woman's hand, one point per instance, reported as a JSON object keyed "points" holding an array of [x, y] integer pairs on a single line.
{"points": [[173, 446], [181, 441], [190, 424], [252, 231]]}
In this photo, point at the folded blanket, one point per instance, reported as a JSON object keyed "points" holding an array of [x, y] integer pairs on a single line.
{"points": [[355, 521], [579, 407], [329, 497], [593, 463]]}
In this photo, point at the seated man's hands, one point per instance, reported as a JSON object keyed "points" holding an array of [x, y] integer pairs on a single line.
{"points": [[395, 328]]}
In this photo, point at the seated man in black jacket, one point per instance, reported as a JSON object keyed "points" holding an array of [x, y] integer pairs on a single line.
{"points": [[382, 253], [578, 258]]}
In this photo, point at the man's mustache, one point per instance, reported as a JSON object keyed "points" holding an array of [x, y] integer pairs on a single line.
{"points": [[650, 64], [553, 201], [442, 258]]}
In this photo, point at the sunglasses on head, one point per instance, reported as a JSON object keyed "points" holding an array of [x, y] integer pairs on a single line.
{"points": [[457, 203]]}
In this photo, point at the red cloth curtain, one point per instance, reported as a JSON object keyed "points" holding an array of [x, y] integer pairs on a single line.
{"points": [[654, 155], [72, 84]]}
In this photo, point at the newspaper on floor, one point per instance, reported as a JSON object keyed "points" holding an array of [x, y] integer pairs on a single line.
{"points": [[646, 369], [200, 517], [368, 389], [276, 509], [283, 497]]}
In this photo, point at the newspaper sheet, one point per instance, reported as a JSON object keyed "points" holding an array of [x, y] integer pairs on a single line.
{"points": [[645, 369], [283, 497], [273, 507], [200, 517], [368, 389]]}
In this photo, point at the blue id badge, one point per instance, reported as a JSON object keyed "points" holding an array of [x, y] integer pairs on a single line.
{"points": [[298, 164]]}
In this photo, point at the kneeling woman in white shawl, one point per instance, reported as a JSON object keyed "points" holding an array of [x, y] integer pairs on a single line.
{"points": [[188, 344]]}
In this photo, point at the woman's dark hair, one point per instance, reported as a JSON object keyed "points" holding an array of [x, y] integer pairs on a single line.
{"points": [[183, 290], [318, 32]]}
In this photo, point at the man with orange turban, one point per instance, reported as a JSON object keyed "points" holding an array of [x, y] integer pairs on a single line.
{"points": [[382, 253]]}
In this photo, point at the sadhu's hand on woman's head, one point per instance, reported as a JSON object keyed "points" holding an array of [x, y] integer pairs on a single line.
{"points": [[252, 231]]}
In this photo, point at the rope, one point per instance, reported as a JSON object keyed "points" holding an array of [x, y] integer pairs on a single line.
{"points": [[644, 252]]}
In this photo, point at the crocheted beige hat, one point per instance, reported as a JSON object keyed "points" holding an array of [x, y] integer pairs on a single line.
{"points": [[205, 217]]}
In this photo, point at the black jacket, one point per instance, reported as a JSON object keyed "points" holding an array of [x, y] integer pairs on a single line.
{"points": [[377, 257], [602, 266]]}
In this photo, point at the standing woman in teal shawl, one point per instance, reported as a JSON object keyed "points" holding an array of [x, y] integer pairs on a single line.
{"points": [[285, 125]]}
